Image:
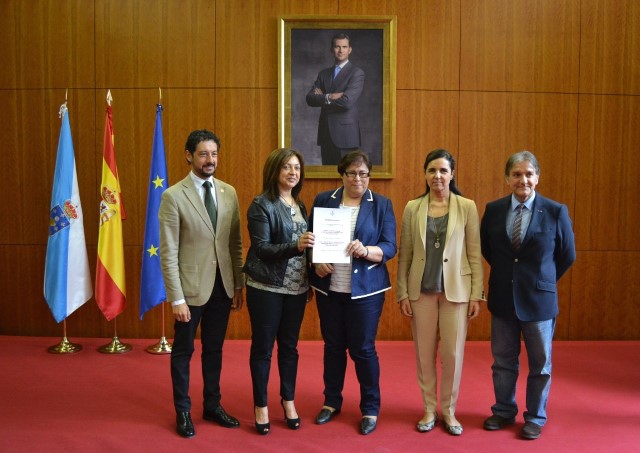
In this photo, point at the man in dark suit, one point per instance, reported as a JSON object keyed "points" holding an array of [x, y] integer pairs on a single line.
{"points": [[528, 242], [201, 256], [336, 91]]}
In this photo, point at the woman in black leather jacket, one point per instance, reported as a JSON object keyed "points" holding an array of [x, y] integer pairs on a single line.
{"points": [[277, 282]]}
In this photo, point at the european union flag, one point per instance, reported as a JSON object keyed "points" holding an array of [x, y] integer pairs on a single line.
{"points": [[152, 291]]}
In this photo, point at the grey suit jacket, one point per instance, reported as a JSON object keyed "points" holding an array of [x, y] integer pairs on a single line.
{"points": [[190, 250], [339, 120], [462, 259]]}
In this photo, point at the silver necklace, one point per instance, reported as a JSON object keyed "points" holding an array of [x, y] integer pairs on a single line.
{"points": [[291, 208]]}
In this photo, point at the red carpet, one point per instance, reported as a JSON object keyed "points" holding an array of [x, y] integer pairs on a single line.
{"points": [[92, 402]]}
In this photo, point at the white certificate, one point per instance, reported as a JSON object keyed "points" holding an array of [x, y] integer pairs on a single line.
{"points": [[332, 229]]}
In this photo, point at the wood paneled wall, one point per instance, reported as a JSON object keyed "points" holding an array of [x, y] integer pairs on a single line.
{"points": [[481, 78]]}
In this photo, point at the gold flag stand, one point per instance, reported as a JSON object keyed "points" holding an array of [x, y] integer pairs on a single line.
{"points": [[65, 346], [162, 346], [115, 347]]}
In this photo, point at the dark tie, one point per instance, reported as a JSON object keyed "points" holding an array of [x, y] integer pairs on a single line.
{"points": [[517, 227], [210, 204]]}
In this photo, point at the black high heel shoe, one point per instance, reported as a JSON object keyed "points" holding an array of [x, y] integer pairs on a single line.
{"points": [[262, 428], [292, 423]]}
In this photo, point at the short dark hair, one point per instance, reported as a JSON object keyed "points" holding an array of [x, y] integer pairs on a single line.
{"points": [[521, 156], [337, 36], [201, 135], [353, 157], [271, 172], [442, 153]]}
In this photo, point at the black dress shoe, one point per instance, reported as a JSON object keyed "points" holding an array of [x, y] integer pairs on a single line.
{"points": [[326, 415], [531, 431], [368, 425], [219, 416], [496, 422], [184, 425]]}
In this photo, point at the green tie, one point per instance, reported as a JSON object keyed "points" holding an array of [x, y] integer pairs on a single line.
{"points": [[210, 204]]}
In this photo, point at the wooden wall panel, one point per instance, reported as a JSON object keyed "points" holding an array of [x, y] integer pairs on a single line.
{"points": [[251, 61], [605, 300], [428, 40], [520, 45], [516, 87], [9, 50], [11, 168], [132, 126], [184, 111], [426, 120], [30, 131], [608, 162], [47, 44], [610, 50], [23, 308], [247, 139], [495, 125], [147, 43]]}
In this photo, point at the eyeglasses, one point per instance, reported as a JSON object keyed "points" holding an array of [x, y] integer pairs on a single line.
{"points": [[353, 174]]}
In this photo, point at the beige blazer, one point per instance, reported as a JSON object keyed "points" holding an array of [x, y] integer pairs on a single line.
{"points": [[190, 251], [462, 259]]}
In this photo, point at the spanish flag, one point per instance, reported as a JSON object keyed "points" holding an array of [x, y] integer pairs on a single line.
{"points": [[110, 281]]}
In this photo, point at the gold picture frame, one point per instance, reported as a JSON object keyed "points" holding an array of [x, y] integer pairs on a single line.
{"points": [[304, 49]]}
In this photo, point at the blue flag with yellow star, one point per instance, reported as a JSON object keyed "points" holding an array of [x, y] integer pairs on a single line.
{"points": [[152, 291]]}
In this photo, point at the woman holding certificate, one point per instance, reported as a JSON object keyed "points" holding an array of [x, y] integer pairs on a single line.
{"points": [[440, 284], [350, 295], [277, 283]]}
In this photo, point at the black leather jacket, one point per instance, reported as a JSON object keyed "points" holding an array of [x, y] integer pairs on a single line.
{"points": [[270, 229]]}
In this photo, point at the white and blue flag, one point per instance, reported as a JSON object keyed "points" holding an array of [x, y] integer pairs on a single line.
{"points": [[67, 280]]}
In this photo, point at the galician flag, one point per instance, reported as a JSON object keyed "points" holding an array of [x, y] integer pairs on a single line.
{"points": [[110, 279], [67, 281], [152, 291]]}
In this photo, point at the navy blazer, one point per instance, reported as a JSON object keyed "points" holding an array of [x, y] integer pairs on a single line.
{"points": [[339, 120], [524, 282], [376, 225]]}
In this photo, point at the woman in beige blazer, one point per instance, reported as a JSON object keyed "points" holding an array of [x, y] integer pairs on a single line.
{"points": [[440, 284]]}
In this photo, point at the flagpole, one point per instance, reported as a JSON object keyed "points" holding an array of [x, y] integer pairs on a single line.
{"points": [[162, 346], [110, 278], [66, 285], [152, 290], [65, 346], [115, 347]]}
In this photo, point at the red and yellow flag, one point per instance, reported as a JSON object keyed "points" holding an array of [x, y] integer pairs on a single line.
{"points": [[110, 281]]}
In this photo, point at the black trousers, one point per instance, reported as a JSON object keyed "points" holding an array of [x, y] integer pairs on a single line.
{"points": [[213, 318], [274, 317], [331, 154]]}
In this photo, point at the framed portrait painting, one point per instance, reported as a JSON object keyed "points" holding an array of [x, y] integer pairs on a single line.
{"points": [[337, 90]]}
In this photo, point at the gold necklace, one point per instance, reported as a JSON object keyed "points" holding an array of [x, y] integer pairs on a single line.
{"points": [[443, 219]]}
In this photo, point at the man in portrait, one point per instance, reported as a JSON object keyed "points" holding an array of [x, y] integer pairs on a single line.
{"points": [[336, 91]]}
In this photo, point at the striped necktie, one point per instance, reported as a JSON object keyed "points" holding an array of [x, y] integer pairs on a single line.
{"points": [[516, 241]]}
